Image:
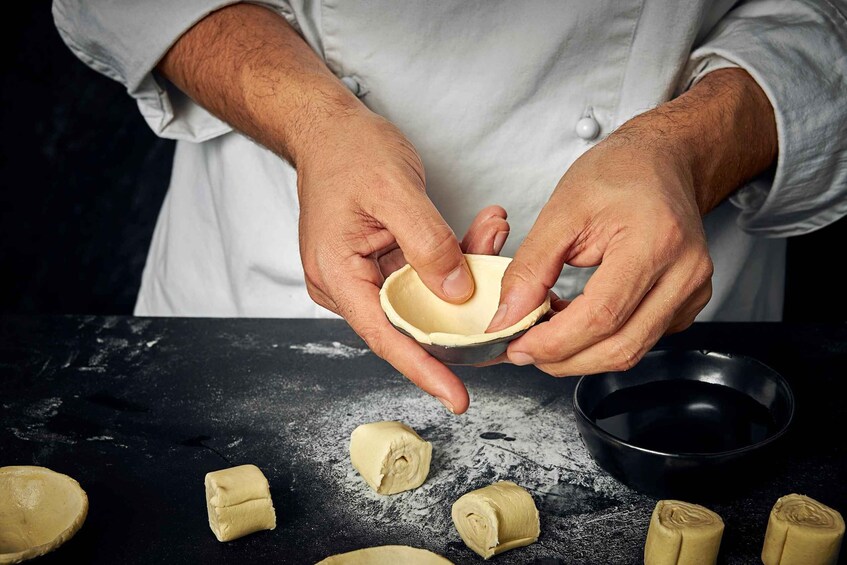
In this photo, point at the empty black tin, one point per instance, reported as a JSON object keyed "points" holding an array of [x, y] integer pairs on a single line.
{"points": [[694, 425]]}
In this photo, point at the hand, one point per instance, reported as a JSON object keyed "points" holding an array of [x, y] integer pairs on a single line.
{"points": [[633, 205], [363, 213], [633, 213]]}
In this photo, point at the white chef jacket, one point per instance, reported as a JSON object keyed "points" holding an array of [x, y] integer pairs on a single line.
{"points": [[489, 93]]}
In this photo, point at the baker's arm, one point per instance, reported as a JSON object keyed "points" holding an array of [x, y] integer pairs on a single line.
{"points": [[633, 205], [125, 39], [360, 182], [796, 51], [640, 220]]}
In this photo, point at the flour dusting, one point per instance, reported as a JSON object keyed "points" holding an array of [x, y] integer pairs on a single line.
{"points": [[332, 350], [45, 408], [514, 438]]}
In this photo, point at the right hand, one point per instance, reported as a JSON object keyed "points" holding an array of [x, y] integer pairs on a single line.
{"points": [[364, 212]]}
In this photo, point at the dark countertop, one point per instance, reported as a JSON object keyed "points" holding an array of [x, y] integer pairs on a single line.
{"points": [[139, 410]]}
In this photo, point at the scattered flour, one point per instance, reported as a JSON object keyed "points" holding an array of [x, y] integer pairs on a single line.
{"points": [[332, 350], [45, 408], [501, 437]]}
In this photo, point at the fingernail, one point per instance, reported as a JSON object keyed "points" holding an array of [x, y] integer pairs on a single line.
{"points": [[499, 316], [521, 359], [458, 283], [446, 404], [499, 241]]}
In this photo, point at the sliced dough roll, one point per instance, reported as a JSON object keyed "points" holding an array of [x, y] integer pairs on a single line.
{"points": [[238, 501], [802, 531], [682, 533], [496, 518], [390, 456]]}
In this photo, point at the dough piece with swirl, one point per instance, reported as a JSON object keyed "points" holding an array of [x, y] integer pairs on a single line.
{"points": [[802, 531], [682, 533], [390, 456], [496, 518]]}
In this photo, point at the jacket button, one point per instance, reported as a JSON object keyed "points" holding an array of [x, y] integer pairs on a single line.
{"points": [[352, 85], [587, 128]]}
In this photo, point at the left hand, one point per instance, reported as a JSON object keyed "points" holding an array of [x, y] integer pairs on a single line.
{"points": [[633, 205], [630, 207]]}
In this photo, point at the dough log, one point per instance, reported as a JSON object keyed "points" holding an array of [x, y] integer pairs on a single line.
{"points": [[496, 518], [802, 531], [681, 533], [390, 456], [239, 502], [386, 555]]}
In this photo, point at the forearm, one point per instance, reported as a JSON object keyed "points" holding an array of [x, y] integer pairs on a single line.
{"points": [[249, 67], [721, 132]]}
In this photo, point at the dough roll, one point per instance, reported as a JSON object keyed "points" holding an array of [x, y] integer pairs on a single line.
{"points": [[496, 518], [390, 456], [682, 533], [239, 502], [802, 531], [386, 555]]}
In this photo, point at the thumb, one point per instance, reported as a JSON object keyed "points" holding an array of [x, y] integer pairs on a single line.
{"points": [[531, 274], [431, 247]]}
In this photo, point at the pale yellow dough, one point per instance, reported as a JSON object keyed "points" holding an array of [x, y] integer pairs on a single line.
{"points": [[39, 511], [239, 502], [390, 456], [496, 518], [410, 305], [682, 533], [386, 555], [802, 531]]}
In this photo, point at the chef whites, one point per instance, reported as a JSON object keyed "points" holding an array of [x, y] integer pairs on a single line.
{"points": [[499, 98]]}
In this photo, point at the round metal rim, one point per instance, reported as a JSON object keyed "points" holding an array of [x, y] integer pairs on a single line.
{"points": [[783, 383]]}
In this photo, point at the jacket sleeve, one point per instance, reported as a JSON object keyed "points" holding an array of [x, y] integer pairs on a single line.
{"points": [[796, 50], [125, 39]]}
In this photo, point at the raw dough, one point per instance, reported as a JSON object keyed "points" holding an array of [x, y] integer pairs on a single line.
{"points": [[386, 555], [390, 456], [39, 511], [239, 502], [496, 518], [410, 305], [682, 533], [802, 531]]}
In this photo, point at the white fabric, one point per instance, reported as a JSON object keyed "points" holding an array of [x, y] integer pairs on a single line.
{"points": [[489, 93]]}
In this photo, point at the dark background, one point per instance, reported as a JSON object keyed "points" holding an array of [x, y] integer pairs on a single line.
{"points": [[83, 178]]}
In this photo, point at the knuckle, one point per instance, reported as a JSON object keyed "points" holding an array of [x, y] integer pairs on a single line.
{"points": [[674, 232], [682, 324], [702, 300], [624, 354], [434, 246], [550, 348], [604, 319], [374, 338], [521, 273], [314, 293], [706, 269]]}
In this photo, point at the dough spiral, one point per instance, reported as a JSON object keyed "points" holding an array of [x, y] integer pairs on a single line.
{"points": [[682, 533], [390, 456], [801, 530], [496, 518]]}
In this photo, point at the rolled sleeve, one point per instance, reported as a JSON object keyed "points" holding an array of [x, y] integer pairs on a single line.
{"points": [[126, 39], [797, 53]]}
